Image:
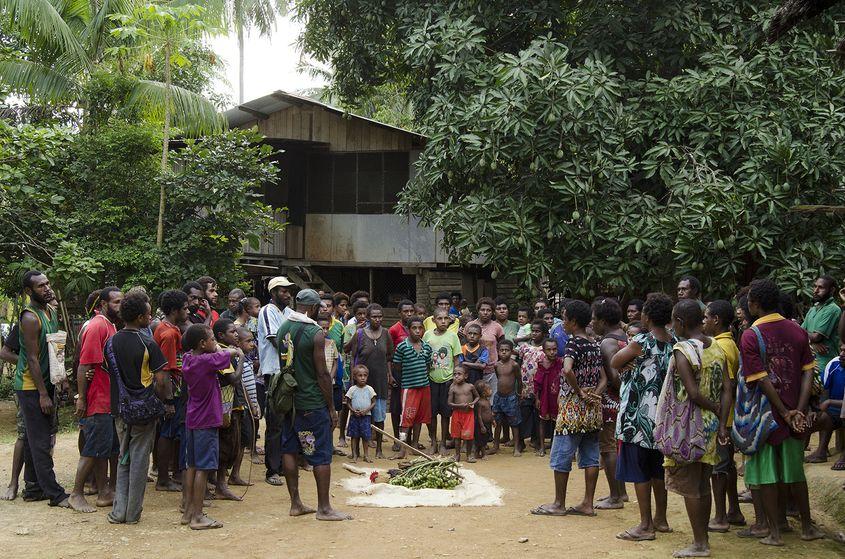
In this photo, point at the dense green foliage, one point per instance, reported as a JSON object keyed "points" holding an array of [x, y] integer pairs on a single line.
{"points": [[608, 147], [83, 206]]}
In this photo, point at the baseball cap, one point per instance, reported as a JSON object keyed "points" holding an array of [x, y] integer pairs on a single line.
{"points": [[308, 297], [279, 281]]}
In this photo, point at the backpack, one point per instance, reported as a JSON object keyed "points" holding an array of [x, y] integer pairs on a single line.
{"points": [[282, 390], [135, 406]]}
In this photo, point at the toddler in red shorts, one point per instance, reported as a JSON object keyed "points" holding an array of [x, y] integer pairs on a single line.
{"points": [[462, 399]]}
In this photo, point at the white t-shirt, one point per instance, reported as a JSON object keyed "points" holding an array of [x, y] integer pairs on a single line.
{"points": [[270, 319], [360, 398]]}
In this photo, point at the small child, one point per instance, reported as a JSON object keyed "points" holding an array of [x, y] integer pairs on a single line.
{"points": [[474, 356], [246, 397], [484, 415], [360, 400], [420, 311], [506, 399], [462, 399], [204, 416], [547, 388], [523, 317], [633, 329]]}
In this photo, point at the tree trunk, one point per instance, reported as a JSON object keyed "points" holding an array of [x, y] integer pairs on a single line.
{"points": [[240, 27], [165, 144]]}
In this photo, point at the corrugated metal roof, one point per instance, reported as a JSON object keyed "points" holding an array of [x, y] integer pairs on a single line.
{"points": [[262, 107]]}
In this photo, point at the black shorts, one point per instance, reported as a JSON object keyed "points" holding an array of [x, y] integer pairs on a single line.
{"points": [[337, 396], [440, 399], [100, 436]]}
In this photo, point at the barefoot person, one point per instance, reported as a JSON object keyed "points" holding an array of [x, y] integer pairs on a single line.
{"points": [[506, 399], [700, 376], [547, 389], [607, 317], [785, 375], [226, 334], [643, 364], [309, 431], [411, 362], [445, 351], [34, 389], [579, 419], [93, 405], [360, 399], [718, 317], [204, 415], [462, 398]]}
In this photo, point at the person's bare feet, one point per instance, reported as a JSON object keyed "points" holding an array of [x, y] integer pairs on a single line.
{"points": [[540, 452], [693, 551], [379, 455], [516, 452], [718, 527], [79, 504], [205, 523], [238, 481], [91, 490], [332, 515], [662, 526], [817, 457], [771, 540], [11, 493], [457, 458], [368, 460], [256, 459], [342, 443], [471, 459], [105, 500], [169, 485], [301, 510], [813, 534], [736, 519], [223, 493]]}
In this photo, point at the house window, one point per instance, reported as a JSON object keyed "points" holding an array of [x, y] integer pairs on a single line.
{"points": [[361, 183]]}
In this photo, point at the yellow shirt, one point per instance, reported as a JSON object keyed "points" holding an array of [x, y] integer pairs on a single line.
{"points": [[728, 345], [429, 325]]}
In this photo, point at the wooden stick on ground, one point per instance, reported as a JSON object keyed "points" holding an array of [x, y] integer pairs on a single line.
{"points": [[409, 447]]}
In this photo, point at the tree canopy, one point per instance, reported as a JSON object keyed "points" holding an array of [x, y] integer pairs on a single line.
{"points": [[608, 146]]}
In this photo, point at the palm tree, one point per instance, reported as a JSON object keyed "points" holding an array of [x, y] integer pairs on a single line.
{"points": [[244, 15], [67, 40]]}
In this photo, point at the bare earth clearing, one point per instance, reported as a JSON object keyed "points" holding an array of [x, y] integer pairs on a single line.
{"points": [[260, 526]]}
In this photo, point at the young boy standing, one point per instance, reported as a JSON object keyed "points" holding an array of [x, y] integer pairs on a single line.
{"points": [[484, 416], [462, 398], [718, 317], [360, 399], [411, 362], [200, 369], [506, 398], [579, 418], [226, 334], [474, 356], [446, 349]]}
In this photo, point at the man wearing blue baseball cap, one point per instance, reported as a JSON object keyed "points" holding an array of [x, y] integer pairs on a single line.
{"points": [[309, 432]]}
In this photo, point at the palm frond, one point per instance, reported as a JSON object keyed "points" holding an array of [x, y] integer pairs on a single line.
{"points": [[42, 22], [37, 81], [261, 14], [191, 112], [96, 34]]}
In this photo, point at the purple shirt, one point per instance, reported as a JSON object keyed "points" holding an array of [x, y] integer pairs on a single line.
{"points": [[200, 372]]}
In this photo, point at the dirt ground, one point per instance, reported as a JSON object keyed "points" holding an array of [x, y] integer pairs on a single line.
{"points": [[260, 527]]}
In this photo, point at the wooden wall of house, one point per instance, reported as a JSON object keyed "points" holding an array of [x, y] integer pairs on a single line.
{"points": [[314, 124]]}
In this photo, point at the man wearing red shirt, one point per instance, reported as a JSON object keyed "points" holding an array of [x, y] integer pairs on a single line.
{"points": [[93, 405], [209, 299], [174, 305], [398, 332]]}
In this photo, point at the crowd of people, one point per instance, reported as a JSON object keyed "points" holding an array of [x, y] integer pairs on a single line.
{"points": [[666, 395]]}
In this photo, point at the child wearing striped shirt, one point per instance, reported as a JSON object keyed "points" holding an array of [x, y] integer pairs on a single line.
{"points": [[411, 362]]}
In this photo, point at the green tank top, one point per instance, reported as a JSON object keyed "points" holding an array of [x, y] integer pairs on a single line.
{"points": [[308, 395], [49, 324]]}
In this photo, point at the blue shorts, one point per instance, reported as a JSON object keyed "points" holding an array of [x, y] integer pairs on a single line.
{"points": [[564, 448], [359, 427], [100, 436], [170, 426], [310, 434], [379, 413], [637, 464], [506, 409], [202, 449]]}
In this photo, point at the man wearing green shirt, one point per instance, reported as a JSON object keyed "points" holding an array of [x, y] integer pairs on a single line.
{"points": [[822, 322], [309, 432]]}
